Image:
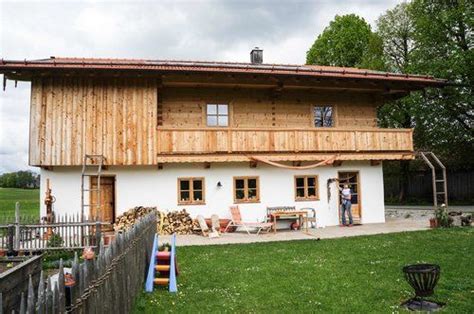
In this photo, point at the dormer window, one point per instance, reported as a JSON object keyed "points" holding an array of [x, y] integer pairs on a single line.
{"points": [[323, 116], [217, 114]]}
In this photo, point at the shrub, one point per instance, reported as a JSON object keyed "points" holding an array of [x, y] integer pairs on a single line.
{"points": [[55, 241]]}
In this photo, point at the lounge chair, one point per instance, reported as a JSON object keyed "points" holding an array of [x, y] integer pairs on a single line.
{"points": [[236, 221]]}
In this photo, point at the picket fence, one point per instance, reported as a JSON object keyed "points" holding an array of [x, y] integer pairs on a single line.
{"points": [[64, 232], [108, 283]]}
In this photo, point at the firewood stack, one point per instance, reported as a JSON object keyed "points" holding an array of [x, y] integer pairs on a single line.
{"points": [[129, 218], [178, 222]]}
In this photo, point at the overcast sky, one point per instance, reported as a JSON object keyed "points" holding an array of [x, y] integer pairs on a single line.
{"points": [[184, 30]]}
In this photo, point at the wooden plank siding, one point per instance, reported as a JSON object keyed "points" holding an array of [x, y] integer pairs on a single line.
{"points": [[119, 118], [72, 117], [238, 140]]}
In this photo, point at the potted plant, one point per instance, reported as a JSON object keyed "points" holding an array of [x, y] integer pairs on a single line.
{"points": [[442, 217]]}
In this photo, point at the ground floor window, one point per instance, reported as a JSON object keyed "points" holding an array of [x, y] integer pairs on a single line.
{"points": [[306, 188], [191, 191], [246, 190]]}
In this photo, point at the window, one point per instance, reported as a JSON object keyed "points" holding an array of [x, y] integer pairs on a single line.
{"points": [[217, 114], [306, 188], [323, 116], [246, 190], [191, 191]]}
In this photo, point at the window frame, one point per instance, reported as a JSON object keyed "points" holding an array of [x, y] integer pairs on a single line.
{"points": [[192, 201], [333, 115], [305, 187], [217, 115], [246, 190]]}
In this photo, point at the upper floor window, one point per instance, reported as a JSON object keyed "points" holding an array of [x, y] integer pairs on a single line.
{"points": [[323, 116], [217, 115], [191, 191], [246, 190]]}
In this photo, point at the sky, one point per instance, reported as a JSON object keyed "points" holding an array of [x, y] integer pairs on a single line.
{"points": [[177, 30]]}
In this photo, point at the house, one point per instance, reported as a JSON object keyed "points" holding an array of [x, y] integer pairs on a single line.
{"points": [[206, 135]]}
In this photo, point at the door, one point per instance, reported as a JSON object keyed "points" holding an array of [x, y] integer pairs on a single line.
{"points": [[352, 179], [106, 211]]}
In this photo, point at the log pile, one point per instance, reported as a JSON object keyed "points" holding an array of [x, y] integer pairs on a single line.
{"points": [[130, 217], [179, 222]]}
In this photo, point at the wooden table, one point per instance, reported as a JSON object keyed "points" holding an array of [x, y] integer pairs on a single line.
{"points": [[289, 214]]}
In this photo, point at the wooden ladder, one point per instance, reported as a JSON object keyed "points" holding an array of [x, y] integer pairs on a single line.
{"points": [[440, 186], [97, 162]]}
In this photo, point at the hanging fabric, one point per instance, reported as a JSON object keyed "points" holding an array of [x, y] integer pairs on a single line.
{"points": [[326, 162]]}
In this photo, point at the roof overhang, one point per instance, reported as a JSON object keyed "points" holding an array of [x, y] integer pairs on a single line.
{"points": [[224, 74]]}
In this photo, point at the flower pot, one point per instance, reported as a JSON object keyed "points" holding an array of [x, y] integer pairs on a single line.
{"points": [[434, 223], [2, 253]]}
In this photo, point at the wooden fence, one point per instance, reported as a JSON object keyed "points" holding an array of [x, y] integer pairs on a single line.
{"points": [[109, 283], [64, 232], [420, 186]]}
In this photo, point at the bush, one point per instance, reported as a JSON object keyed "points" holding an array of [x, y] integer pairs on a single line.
{"points": [[441, 214], [55, 241]]}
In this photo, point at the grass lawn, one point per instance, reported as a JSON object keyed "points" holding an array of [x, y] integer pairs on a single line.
{"points": [[358, 274], [28, 198]]}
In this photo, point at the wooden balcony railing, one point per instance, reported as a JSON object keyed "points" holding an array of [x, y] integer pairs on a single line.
{"points": [[238, 140]]}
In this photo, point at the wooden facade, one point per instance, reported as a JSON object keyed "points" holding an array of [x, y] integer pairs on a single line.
{"points": [[141, 121]]}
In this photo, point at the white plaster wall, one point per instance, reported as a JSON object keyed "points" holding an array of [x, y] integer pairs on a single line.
{"points": [[148, 186]]}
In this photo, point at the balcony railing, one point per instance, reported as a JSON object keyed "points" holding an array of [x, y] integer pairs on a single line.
{"points": [[239, 140]]}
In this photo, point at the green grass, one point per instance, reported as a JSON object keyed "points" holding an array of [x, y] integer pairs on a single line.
{"points": [[358, 274], [29, 202]]}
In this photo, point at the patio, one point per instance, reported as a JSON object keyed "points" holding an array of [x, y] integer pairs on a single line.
{"points": [[390, 226]]}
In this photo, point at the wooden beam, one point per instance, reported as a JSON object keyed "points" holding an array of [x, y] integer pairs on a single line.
{"points": [[160, 166], [375, 162], [337, 163], [253, 164], [207, 165]]}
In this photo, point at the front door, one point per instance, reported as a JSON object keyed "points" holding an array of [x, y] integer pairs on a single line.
{"points": [[352, 179], [106, 211]]}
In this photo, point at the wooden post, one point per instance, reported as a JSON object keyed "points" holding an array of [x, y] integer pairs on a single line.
{"points": [[17, 225], [30, 302], [11, 235], [98, 237]]}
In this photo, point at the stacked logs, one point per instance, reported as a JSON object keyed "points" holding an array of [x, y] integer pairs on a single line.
{"points": [[179, 222], [130, 217]]}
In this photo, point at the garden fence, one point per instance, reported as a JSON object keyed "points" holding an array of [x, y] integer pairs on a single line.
{"points": [[109, 283], [63, 232]]}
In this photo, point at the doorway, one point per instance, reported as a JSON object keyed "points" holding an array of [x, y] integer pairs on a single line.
{"points": [[106, 211], [352, 179]]}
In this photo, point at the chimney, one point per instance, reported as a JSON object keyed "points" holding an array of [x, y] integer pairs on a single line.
{"points": [[256, 56]]}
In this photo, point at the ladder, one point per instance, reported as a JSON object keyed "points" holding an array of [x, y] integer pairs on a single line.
{"points": [[96, 162], [440, 186], [163, 268]]}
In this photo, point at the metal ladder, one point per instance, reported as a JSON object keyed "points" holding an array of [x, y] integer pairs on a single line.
{"points": [[96, 161], [444, 186]]}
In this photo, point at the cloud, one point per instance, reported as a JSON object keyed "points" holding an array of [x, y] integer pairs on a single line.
{"points": [[185, 30]]}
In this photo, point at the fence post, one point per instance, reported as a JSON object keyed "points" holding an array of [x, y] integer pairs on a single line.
{"points": [[98, 236], [17, 225], [11, 235]]}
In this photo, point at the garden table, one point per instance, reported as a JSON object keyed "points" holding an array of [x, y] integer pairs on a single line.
{"points": [[289, 214]]}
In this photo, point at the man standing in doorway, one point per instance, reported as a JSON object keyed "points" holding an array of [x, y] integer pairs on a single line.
{"points": [[346, 204]]}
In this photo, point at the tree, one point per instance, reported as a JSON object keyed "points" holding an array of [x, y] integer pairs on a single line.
{"points": [[349, 42], [432, 37], [396, 30], [20, 179], [444, 48]]}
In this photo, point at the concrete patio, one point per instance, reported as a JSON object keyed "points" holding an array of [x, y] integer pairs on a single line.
{"points": [[390, 226]]}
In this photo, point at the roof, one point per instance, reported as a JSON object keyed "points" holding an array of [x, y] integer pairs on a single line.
{"points": [[9, 66]]}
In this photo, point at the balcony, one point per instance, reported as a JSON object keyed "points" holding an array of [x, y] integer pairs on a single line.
{"points": [[173, 141]]}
